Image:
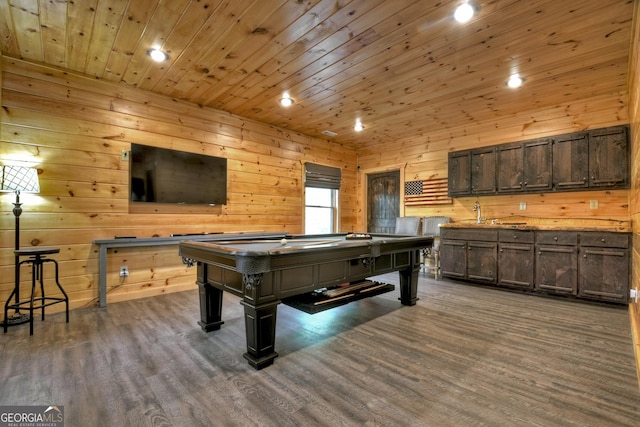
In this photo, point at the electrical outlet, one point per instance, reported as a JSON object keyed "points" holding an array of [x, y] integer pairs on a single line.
{"points": [[593, 204], [523, 206], [633, 294], [124, 271], [124, 156]]}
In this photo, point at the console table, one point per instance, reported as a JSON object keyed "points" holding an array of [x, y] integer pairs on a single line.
{"points": [[131, 242]]}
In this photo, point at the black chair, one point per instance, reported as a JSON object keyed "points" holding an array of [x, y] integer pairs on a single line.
{"points": [[37, 259]]}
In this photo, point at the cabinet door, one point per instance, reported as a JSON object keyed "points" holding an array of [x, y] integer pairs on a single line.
{"points": [[509, 166], [571, 162], [459, 173], [557, 269], [608, 158], [515, 265], [483, 171], [537, 165], [453, 258], [604, 274], [482, 261]]}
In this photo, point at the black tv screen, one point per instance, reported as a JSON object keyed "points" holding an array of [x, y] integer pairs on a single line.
{"points": [[159, 175]]}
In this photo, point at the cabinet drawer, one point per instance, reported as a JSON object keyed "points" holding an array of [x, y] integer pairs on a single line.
{"points": [[557, 238], [608, 240], [469, 234], [515, 236]]}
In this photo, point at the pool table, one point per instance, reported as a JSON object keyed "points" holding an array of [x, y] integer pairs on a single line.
{"points": [[264, 271]]}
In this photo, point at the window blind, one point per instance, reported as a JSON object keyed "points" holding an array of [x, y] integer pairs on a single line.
{"points": [[321, 176]]}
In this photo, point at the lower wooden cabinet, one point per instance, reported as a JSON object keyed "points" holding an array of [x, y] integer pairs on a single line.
{"points": [[603, 267], [515, 258], [469, 254], [557, 262], [453, 258], [585, 264], [481, 261]]}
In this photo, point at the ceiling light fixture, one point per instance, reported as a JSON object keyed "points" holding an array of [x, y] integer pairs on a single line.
{"points": [[286, 100], [515, 81], [464, 13], [358, 126], [157, 55]]}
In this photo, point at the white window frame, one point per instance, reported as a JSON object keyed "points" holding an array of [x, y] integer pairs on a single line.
{"points": [[333, 210]]}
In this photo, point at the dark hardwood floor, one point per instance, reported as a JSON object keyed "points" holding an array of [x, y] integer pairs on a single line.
{"points": [[463, 356]]}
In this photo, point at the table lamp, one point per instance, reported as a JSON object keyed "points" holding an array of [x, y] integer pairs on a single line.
{"points": [[18, 179]]}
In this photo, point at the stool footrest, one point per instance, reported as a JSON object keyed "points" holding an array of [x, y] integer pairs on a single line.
{"points": [[40, 300]]}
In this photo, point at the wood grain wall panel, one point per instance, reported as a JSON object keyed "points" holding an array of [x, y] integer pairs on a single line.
{"points": [[74, 128], [634, 193], [600, 111], [572, 116]]}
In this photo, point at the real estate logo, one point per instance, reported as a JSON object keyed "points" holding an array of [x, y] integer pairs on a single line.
{"points": [[32, 416]]}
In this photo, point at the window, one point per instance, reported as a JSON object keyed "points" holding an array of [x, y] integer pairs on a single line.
{"points": [[320, 210], [322, 184]]}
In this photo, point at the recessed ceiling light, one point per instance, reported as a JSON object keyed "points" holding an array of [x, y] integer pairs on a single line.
{"points": [[358, 126], [286, 100], [463, 13], [157, 55], [515, 81]]}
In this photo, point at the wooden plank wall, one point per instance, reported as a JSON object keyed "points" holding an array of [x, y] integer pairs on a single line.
{"points": [[425, 157], [74, 129], [634, 193]]}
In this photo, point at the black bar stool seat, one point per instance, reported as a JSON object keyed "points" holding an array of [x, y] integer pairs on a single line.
{"points": [[37, 259]]}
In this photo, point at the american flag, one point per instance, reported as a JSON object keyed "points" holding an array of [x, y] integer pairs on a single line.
{"points": [[425, 193]]}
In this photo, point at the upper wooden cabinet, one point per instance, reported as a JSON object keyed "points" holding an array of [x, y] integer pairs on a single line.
{"points": [[588, 160], [509, 168], [537, 164], [524, 166], [460, 173], [483, 171], [472, 172], [608, 157], [571, 162]]}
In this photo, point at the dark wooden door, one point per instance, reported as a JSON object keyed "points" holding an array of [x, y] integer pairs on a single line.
{"points": [[483, 171], [482, 261], [453, 258], [604, 273], [571, 162], [557, 269], [608, 158], [459, 173], [509, 175], [383, 201], [537, 165], [515, 265]]}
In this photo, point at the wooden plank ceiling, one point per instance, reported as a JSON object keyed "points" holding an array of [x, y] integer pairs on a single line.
{"points": [[404, 67]]}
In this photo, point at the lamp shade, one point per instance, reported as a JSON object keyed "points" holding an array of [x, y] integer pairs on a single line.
{"points": [[20, 179]]}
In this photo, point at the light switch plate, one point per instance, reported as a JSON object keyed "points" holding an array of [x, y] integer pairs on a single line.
{"points": [[523, 206], [124, 156], [593, 204]]}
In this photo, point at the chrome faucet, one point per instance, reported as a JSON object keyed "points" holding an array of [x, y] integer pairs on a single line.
{"points": [[476, 208]]}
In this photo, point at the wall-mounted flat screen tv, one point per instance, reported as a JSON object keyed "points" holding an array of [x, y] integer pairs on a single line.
{"points": [[159, 175]]}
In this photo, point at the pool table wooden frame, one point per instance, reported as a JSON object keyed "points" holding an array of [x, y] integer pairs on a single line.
{"points": [[264, 275]]}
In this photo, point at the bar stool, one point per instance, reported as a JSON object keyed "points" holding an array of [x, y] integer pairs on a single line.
{"points": [[37, 259]]}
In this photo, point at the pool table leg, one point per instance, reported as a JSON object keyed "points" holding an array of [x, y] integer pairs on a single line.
{"points": [[260, 324], [210, 307], [409, 281]]}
